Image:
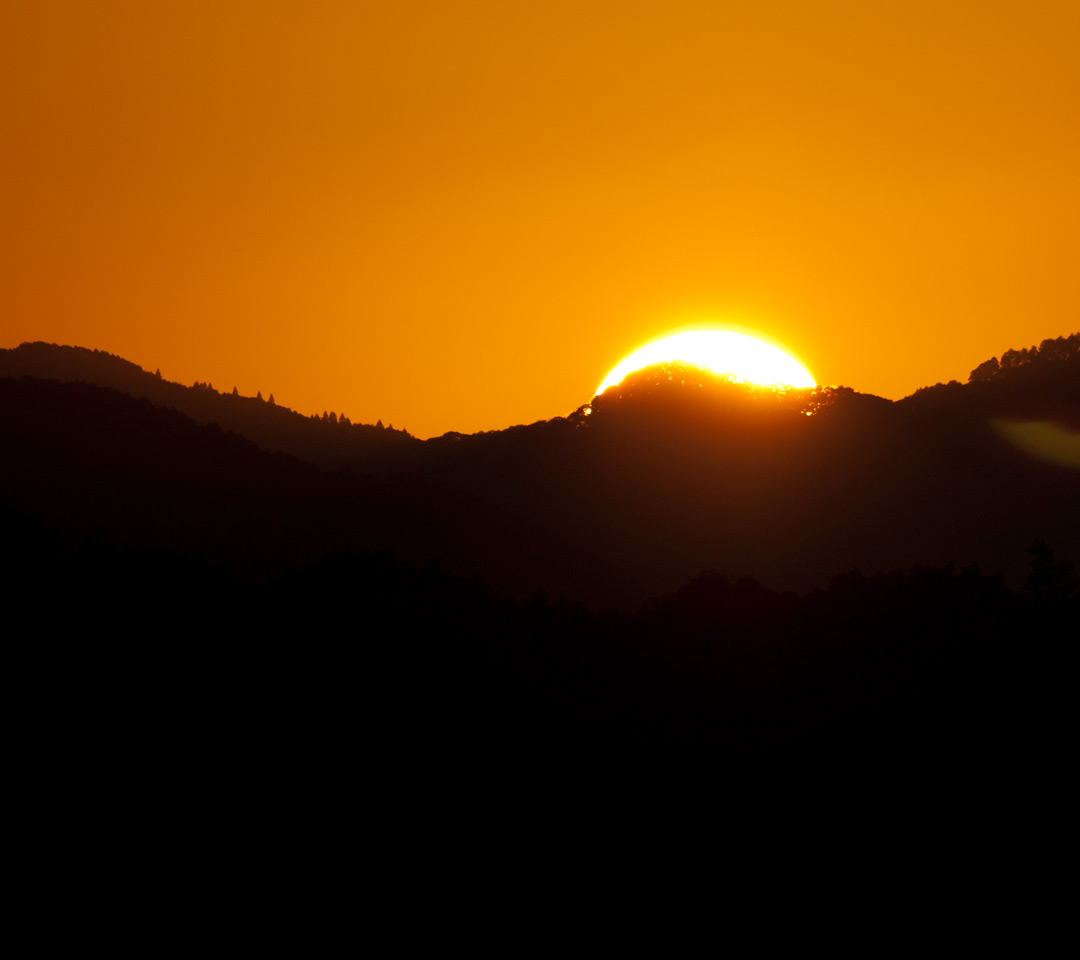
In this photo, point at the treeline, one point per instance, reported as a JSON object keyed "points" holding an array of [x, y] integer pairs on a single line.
{"points": [[685, 392], [1050, 351], [263, 421]]}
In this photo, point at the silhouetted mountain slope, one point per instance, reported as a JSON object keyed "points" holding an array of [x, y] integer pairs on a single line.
{"points": [[325, 442], [206, 616], [675, 471], [90, 462], [671, 473]]}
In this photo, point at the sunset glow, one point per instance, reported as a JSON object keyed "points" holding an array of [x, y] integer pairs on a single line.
{"points": [[457, 217], [720, 351]]}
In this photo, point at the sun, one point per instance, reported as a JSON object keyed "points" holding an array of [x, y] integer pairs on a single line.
{"points": [[746, 358]]}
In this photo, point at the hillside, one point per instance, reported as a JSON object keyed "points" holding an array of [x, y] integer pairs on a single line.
{"points": [[670, 474], [89, 462], [326, 441]]}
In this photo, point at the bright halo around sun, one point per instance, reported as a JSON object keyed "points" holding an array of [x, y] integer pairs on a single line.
{"points": [[723, 352]]}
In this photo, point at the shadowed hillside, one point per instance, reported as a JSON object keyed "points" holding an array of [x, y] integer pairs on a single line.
{"points": [[674, 471], [88, 462], [328, 440]]}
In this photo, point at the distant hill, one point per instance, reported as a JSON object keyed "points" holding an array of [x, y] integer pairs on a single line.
{"points": [[327, 441]]}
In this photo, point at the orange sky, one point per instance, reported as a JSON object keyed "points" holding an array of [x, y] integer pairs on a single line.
{"points": [[460, 215]]}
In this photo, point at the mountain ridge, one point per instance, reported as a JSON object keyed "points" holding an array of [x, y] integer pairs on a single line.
{"points": [[92, 462], [671, 473], [268, 424]]}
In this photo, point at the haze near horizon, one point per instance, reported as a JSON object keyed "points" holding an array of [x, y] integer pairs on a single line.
{"points": [[461, 217]]}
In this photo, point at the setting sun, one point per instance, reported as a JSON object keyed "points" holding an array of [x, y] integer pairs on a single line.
{"points": [[721, 351]]}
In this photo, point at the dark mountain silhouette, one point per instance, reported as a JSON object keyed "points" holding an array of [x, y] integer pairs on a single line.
{"points": [[327, 441], [89, 462], [193, 615], [174, 672], [675, 471]]}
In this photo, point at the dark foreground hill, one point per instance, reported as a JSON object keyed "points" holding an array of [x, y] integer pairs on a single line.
{"points": [[360, 693]]}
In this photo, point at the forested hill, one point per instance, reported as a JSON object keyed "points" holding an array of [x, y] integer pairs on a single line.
{"points": [[328, 440]]}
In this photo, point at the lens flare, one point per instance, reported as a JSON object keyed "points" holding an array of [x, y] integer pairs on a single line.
{"points": [[1049, 441]]}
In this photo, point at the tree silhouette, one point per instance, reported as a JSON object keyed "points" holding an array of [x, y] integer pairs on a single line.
{"points": [[984, 371], [1051, 579]]}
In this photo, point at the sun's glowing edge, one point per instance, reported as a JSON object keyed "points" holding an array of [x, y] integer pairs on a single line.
{"points": [[748, 358]]}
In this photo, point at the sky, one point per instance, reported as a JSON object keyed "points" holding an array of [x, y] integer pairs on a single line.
{"points": [[460, 215]]}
